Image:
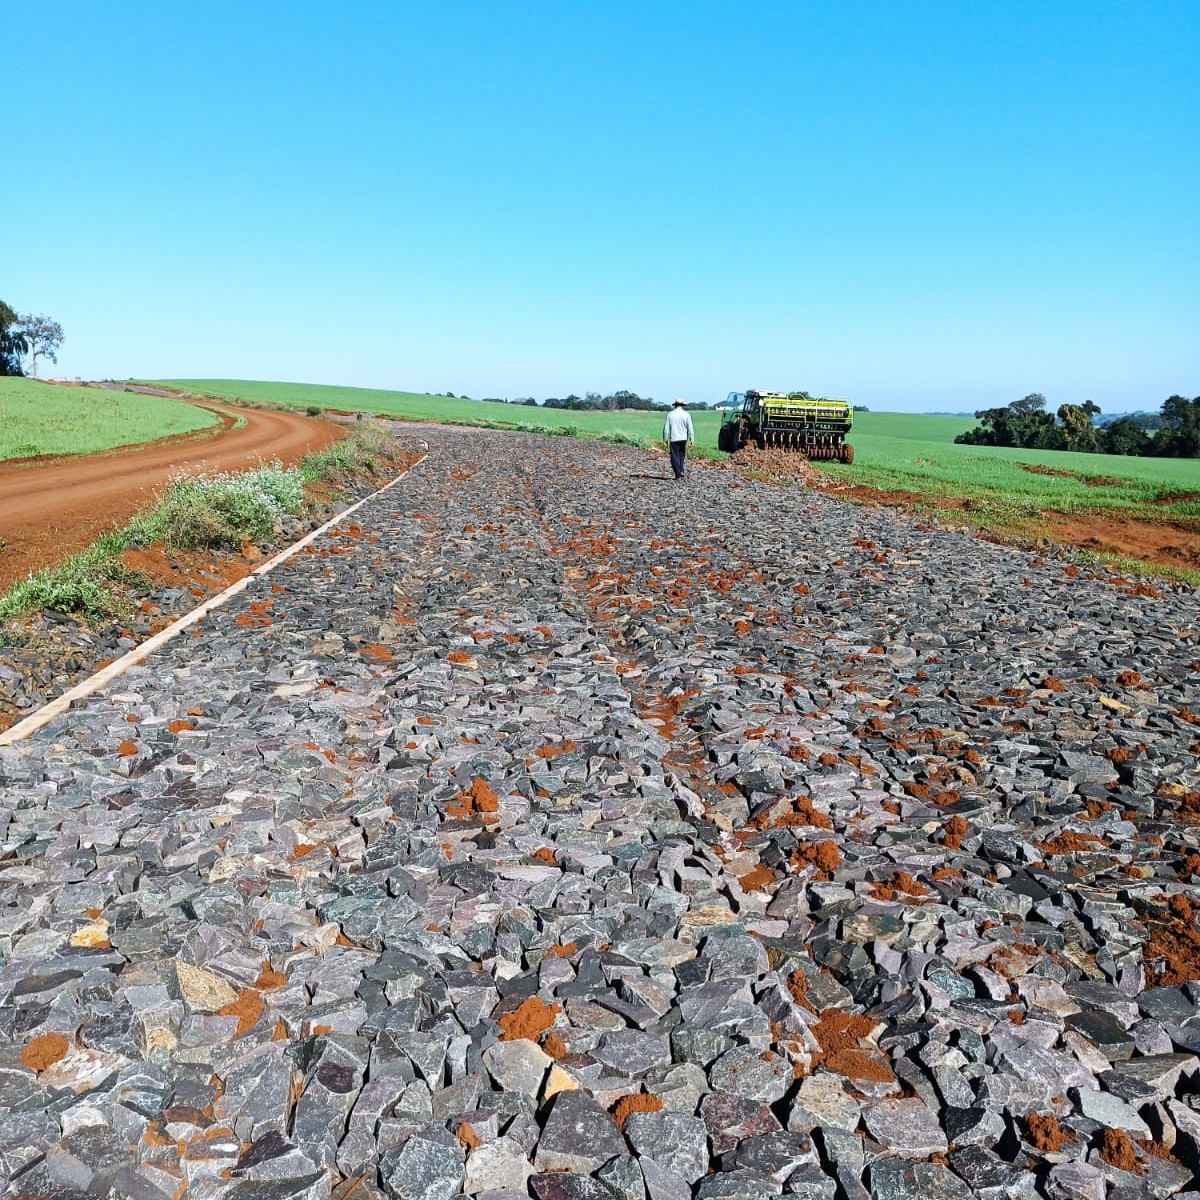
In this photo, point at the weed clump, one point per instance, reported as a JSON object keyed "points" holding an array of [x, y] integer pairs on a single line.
{"points": [[358, 455], [209, 512], [91, 583]]}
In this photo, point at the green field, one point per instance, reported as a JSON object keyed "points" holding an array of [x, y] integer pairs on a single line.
{"points": [[39, 418], [642, 427], [918, 454]]}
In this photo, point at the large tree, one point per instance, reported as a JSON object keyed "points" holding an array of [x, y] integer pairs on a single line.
{"points": [[12, 342], [42, 337], [1179, 436], [1077, 427], [1124, 436]]}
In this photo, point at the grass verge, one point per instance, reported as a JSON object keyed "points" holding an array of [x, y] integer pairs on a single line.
{"points": [[39, 418], [94, 582], [196, 512]]}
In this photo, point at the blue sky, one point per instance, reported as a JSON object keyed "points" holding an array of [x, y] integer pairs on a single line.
{"points": [[926, 206]]}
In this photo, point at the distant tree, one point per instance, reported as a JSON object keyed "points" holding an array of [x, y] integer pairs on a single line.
{"points": [[1124, 436], [1034, 402], [529, 402], [42, 337], [861, 408], [1021, 423], [1180, 433], [1077, 428], [13, 344]]}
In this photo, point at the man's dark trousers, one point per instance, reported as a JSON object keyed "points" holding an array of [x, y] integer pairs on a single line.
{"points": [[678, 450]]}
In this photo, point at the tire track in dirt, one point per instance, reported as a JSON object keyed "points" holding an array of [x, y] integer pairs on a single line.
{"points": [[51, 508]]}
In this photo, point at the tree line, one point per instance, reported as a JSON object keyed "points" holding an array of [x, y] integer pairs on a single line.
{"points": [[1027, 424], [24, 338], [594, 402]]}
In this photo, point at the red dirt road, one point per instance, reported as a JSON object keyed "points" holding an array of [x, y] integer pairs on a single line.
{"points": [[53, 507]]}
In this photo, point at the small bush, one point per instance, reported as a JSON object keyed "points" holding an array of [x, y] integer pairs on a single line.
{"points": [[359, 454], [221, 511], [89, 583], [621, 438]]}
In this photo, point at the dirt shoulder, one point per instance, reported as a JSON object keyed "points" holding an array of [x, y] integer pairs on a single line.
{"points": [[54, 507], [1170, 544], [1173, 544]]}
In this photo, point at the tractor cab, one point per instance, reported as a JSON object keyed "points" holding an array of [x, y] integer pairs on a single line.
{"points": [[732, 434]]}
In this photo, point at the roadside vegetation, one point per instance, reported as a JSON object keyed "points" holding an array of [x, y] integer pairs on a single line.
{"points": [[41, 418], [217, 511]]}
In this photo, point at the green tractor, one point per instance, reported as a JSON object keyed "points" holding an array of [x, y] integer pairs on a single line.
{"points": [[811, 425]]}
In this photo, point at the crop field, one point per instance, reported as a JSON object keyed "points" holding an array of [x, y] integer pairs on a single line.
{"points": [[38, 418], [643, 428], [902, 452]]}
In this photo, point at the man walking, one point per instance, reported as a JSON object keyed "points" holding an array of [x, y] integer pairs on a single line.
{"points": [[678, 434]]}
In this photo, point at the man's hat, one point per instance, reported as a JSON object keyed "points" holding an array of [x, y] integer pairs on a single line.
{"points": [[678, 399]]}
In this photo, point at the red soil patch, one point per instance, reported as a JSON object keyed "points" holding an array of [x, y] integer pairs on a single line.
{"points": [[554, 1046], [1043, 1132], [839, 1034], [1118, 1151], [51, 508], [549, 752], [1071, 843], [530, 1020], [954, 828], [640, 1102], [477, 800], [825, 856], [1171, 544], [269, 978], [1189, 805], [1176, 941], [798, 986], [248, 1007], [901, 882], [802, 813], [467, 1137], [756, 879], [44, 1051]]}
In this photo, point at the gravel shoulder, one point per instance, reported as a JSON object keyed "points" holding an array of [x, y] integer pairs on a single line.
{"points": [[551, 820]]}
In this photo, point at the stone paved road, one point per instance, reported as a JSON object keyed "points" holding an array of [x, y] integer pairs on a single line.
{"points": [[555, 829]]}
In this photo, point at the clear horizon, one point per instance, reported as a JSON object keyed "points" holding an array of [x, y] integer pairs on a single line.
{"points": [[938, 210]]}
